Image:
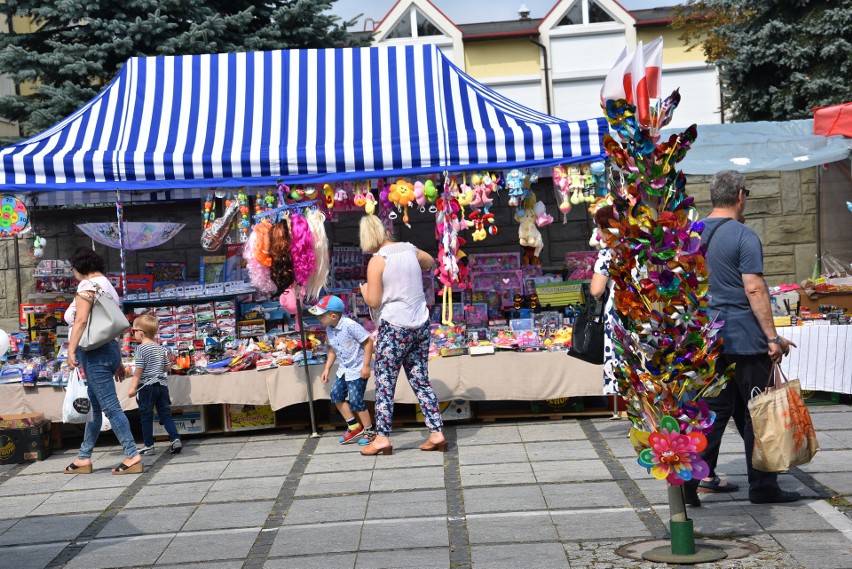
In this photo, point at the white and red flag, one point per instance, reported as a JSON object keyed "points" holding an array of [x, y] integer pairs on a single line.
{"points": [[636, 78]]}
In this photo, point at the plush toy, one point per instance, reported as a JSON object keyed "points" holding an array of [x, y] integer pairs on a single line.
{"points": [[359, 198], [38, 249], [576, 184], [402, 195], [341, 196], [328, 192], [528, 234], [447, 227], [515, 186], [542, 218], [419, 196], [370, 203], [529, 257], [431, 192], [598, 170], [384, 201]]}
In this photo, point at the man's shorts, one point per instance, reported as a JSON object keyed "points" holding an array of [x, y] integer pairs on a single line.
{"points": [[354, 389]]}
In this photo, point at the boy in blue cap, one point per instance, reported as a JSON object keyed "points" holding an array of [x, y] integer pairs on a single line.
{"points": [[352, 347]]}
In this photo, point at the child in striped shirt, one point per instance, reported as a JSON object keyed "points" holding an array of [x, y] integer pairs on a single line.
{"points": [[150, 384]]}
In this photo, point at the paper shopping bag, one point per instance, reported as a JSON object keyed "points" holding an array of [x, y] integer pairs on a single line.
{"points": [[784, 434]]}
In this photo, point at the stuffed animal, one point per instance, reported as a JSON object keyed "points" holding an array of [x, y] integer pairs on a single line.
{"points": [[598, 170], [328, 192], [529, 257], [402, 195], [562, 183], [576, 184], [542, 218], [515, 186]]}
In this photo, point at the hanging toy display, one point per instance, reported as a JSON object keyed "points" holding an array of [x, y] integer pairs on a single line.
{"points": [[216, 234], [481, 217], [402, 195], [515, 187], [258, 261], [38, 246], [447, 227], [328, 193], [465, 194], [297, 193], [598, 170], [576, 184], [431, 193], [588, 184], [529, 236], [209, 212], [245, 218], [561, 184]]}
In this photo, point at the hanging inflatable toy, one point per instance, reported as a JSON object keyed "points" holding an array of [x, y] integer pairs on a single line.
{"points": [[209, 213], [419, 196], [431, 193], [328, 192], [402, 195], [562, 183]]}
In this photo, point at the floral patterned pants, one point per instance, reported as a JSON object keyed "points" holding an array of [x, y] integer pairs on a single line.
{"points": [[407, 348]]}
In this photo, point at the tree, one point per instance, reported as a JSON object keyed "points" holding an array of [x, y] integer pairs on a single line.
{"points": [[777, 59], [79, 46]]}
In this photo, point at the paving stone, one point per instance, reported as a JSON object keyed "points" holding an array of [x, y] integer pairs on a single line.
{"points": [[404, 559], [59, 507], [148, 521], [410, 458], [551, 431], [788, 517], [268, 448], [209, 545], [6, 524], [235, 489], [512, 556], [30, 556], [232, 515], [560, 450], [407, 504], [496, 474], [488, 434], [601, 524], [492, 454], [829, 421], [205, 565], [478, 500], [338, 463], [830, 461], [259, 467], [332, 488], [99, 479], [330, 561], [209, 453], [112, 552], [316, 539], [321, 510], [840, 482], [510, 528], [572, 495], [45, 529], [404, 533], [172, 494], [20, 506], [34, 484], [407, 479], [818, 550], [570, 470], [195, 472], [722, 520]]}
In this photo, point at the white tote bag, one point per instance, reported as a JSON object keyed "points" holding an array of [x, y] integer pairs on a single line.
{"points": [[77, 408]]}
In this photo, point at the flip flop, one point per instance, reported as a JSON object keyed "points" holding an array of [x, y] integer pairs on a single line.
{"points": [[128, 469], [77, 469], [716, 485]]}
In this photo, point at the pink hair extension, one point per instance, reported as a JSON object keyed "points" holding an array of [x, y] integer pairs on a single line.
{"points": [[248, 249], [319, 278], [261, 277], [302, 249]]}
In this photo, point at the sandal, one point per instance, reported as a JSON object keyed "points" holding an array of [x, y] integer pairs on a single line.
{"points": [[715, 485], [128, 468], [77, 469]]}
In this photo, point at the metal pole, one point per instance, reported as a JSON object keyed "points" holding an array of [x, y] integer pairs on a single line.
{"points": [[305, 355], [18, 272]]}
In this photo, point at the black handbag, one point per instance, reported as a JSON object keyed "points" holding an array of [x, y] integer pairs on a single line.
{"points": [[587, 341]]}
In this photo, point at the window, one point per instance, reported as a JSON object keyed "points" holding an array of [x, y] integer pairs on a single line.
{"points": [[402, 29], [596, 14], [424, 28]]}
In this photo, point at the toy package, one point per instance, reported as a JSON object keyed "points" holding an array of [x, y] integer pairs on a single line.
{"points": [[489, 262], [580, 265]]}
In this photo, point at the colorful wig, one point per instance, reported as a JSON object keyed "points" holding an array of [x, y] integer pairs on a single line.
{"points": [[302, 249], [279, 250], [259, 274], [319, 277]]}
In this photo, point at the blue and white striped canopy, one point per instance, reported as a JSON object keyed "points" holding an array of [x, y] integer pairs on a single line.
{"points": [[300, 115]]}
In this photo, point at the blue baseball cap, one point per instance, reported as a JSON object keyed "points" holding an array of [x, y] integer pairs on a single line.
{"points": [[329, 303]]}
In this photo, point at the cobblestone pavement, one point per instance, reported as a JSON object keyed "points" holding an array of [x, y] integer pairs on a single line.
{"points": [[545, 494]]}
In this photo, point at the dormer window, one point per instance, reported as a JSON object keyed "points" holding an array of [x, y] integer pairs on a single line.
{"points": [[423, 26], [585, 12]]}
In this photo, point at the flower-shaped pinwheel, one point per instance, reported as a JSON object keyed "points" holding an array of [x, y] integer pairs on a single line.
{"points": [[673, 456], [696, 416]]}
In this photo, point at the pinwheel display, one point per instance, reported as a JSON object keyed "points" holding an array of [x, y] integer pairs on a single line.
{"points": [[667, 343]]}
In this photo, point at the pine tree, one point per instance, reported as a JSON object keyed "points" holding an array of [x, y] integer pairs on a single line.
{"points": [[777, 59], [79, 46]]}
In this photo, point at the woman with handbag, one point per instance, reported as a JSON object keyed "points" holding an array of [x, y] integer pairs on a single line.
{"points": [[602, 285], [101, 363]]}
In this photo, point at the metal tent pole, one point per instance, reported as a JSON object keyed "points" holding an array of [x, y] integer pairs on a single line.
{"points": [[305, 355]]}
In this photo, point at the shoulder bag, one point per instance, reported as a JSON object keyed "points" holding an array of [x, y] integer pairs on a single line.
{"points": [[106, 321], [587, 340]]}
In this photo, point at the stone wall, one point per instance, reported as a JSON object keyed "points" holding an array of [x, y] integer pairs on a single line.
{"points": [[781, 209]]}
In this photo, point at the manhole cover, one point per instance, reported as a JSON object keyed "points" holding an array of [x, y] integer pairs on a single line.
{"points": [[733, 548]]}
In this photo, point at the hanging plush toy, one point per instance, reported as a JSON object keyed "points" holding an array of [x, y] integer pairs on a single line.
{"points": [[598, 170], [38, 249], [447, 229], [562, 183], [431, 193], [384, 201], [542, 218], [402, 195], [341, 196], [515, 187], [359, 197], [370, 203], [328, 192], [419, 196], [576, 184]]}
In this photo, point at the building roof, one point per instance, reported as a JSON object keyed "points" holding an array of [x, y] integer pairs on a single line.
{"points": [[493, 30], [652, 16]]}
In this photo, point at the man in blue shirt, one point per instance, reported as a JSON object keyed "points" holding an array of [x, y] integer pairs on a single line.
{"points": [[740, 297]]}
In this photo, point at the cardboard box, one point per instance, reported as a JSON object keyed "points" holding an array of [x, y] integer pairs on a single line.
{"points": [[248, 417], [189, 420], [25, 445], [23, 421], [455, 410]]}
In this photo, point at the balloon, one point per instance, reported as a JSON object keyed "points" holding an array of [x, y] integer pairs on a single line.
{"points": [[288, 300], [4, 343]]}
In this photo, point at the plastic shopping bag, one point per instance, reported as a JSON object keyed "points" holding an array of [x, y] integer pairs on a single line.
{"points": [[76, 408], [105, 424], [784, 434]]}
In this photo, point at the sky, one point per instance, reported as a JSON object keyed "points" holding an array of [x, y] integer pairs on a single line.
{"points": [[471, 11]]}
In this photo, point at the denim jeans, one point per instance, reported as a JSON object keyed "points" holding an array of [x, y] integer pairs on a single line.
{"points": [[148, 397], [100, 366]]}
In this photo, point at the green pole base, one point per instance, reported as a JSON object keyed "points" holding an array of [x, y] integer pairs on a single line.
{"points": [[682, 549]]}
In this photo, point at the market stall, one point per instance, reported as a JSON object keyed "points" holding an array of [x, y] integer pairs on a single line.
{"points": [[293, 121]]}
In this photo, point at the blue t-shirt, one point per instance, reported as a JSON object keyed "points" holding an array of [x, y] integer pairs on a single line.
{"points": [[734, 250]]}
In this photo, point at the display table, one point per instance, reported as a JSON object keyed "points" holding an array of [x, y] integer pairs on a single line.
{"points": [[823, 359], [499, 377]]}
